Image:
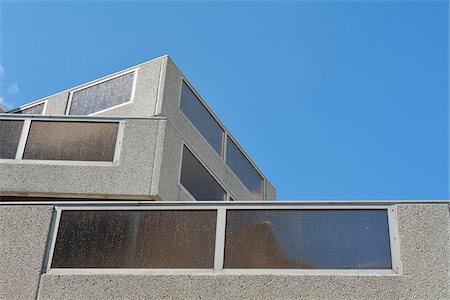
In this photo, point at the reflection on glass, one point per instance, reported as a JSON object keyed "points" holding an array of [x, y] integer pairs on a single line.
{"points": [[307, 239], [197, 113], [81, 141], [102, 96], [33, 110], [136, 239], [10, 132], [198, 181], [244, 170]]}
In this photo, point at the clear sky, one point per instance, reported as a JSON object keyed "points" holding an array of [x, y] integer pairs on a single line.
{"points": [[332, 99]]}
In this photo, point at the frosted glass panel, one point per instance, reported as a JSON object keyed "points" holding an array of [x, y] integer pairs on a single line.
{"points": [[197, 113], [244, 170], [81, 141], [136, 239], [10, 132], [34, 110], [307, 239], [197, 180], [102, 96]]}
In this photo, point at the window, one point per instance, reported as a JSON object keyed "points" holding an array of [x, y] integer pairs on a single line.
{"points": [[33, 110], [244, 170], [102, 96], [307, 239], [197, 180], [80, 141], [10, 132], [201, 118], [135, 239]]}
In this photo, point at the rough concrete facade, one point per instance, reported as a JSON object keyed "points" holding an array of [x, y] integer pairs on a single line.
{"points": [[423, 274]]}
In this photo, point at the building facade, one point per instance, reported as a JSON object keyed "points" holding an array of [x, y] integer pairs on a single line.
{"points": [[130, 187]]}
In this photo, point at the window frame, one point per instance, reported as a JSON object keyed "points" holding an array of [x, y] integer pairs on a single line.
{"points": [[30, 105], [181, 186], [100, 81], [224, 137], [218, 269], [26, 129]]}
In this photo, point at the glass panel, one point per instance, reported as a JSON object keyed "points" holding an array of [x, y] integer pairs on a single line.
{"points": [[307, 239], [102, 96], [197, 113], [10, 132], [198, 181], [244, 170], [136, 239], [34, 110], [82, 141]]}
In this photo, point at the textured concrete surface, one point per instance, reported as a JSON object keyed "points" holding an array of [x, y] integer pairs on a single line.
{"points": [[132, 176], [220, 287], [23, 239], [424, 255], [195, 141]]}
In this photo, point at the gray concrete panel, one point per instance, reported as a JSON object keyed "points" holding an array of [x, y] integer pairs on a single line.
{"points": [[23, 239], [131, 177]]}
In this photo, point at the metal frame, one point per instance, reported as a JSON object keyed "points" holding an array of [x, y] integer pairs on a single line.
{"points": [[26, 129], [225, 187], [30, 105], [218, 269], [100, 81], [225, 136]]}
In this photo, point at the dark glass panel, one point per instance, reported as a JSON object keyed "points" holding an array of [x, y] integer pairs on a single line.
{"points": [[197, 113], [244, 170], [198, 181], [33, 110], [307, 239], [136, 239], [103, 95], [81, 141], [10, 132]]}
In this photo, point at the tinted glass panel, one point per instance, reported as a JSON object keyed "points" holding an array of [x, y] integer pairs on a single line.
{"points": [[197, 180], [244, 170], [136, 239], [102, 96], [10, 132], [307, 239], [82, 141], [34, 110], [197, 113]]}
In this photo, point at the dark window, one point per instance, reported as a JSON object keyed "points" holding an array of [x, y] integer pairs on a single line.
{"points": [[81, 141], [244, 170], [198, 181], [33, 110], [10, 132], [136, 239], [307, 239], [102, 96], [202, 119]]}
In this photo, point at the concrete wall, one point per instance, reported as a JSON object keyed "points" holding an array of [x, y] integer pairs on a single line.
{"points": [[423, 246], [24, 233], [130, 178], [195, 141]]}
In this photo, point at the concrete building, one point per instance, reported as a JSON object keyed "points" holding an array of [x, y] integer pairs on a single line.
{"points": [[130, 187]]}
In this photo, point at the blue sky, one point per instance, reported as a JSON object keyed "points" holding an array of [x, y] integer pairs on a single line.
{"points": [[332, 100]]}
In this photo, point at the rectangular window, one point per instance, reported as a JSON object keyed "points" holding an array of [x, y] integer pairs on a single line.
{"points": [[201, 118], [198, 181], [33, 110], [76, 141], [135, 239], [244, 170], [307, 239], [102, 96], [10, 132]]}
